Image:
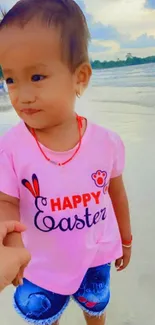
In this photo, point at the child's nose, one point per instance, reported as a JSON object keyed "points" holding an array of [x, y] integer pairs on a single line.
{"points": [[26, 95]]}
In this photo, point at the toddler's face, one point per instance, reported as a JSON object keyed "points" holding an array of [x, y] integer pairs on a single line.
{"points": [[41, 87]]}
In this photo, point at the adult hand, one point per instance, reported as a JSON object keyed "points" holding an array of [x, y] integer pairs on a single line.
{"points": [[12, 259]]}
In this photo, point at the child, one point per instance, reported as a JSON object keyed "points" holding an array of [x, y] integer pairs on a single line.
{"points": [[59, 174]]}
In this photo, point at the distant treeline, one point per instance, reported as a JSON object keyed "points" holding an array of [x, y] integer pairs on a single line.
{"points": [[130, 60]]}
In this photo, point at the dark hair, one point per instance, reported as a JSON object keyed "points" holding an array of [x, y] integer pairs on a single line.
{"points": [[63, 14]]}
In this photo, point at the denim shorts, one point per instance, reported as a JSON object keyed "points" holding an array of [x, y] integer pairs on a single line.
{"points": [[42, 307]]}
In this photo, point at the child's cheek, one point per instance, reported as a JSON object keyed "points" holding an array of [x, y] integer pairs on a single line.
{"points": [[13, 96]]}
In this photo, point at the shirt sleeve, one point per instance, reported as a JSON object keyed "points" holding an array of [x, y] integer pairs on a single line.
{"points": [[8, 178], [119, 157]]}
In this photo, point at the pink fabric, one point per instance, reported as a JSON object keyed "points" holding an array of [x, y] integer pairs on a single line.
{"points": [[71, 225]]}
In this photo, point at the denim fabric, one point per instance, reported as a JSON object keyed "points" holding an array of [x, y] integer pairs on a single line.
{"points": [[94, 292], [39, 306]]}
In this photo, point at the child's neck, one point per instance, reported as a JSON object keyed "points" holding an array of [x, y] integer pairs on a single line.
{"points": [[61, 137]]}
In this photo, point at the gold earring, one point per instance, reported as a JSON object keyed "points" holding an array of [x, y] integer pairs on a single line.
{"points": [[79, 93]]}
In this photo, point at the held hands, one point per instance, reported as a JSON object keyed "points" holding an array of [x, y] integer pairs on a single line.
{"points": [[14, 240], [13, 257]]}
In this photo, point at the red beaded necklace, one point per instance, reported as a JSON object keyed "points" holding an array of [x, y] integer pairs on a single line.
{"points": [[79, 120]]}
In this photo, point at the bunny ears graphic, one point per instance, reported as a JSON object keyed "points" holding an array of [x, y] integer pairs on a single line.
{"points": [[34, 189]]}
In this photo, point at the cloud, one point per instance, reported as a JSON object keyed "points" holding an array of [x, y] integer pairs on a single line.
{"points": [[129, 17], [141, 41], [104, 49], [150, 4], [97, 29], [105, 45]]}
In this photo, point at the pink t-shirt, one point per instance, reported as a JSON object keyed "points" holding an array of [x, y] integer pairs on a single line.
{"points": [[71, 224]]}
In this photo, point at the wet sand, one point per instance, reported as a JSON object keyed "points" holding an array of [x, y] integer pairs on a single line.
{"points": [[130, 112]]}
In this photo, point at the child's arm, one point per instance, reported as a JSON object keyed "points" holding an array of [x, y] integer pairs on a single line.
{"points": [[120, 204], [9, 210]]}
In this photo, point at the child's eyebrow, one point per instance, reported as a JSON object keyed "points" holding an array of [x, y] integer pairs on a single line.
{"points": [[31, 67], [7, 71], [38, 65]]}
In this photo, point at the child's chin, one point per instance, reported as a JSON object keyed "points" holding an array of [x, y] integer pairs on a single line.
{"points": [[33, 123]]}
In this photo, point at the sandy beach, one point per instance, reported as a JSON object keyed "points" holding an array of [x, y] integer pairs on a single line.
{"points": [[130, 112]]}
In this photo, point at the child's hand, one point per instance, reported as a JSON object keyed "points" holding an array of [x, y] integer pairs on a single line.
{"points": [[124, 261]]}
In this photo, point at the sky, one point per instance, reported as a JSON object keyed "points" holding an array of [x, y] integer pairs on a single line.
{"points": [[117, 27]]}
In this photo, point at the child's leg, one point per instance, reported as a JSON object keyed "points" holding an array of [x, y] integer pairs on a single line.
{"points": [[90, 320], [94, 294], [39, 306]]}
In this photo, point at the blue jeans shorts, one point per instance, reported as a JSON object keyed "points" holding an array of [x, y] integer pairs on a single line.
{"points": [[42, 307]]}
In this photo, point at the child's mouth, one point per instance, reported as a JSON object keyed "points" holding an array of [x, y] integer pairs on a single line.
{"points": [[30, 111]]}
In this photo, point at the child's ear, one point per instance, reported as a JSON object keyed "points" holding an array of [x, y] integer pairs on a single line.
{"points": [[82, 74]]}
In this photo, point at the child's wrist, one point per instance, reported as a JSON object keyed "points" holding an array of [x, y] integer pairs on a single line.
{"points": [[127, 243]]}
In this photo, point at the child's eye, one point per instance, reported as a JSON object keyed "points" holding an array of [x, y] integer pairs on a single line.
{"points": [[37, 77], [9, 81]]}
